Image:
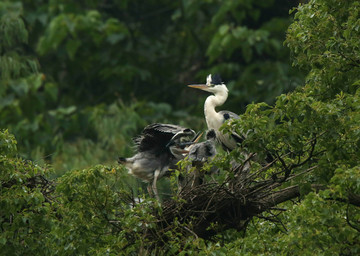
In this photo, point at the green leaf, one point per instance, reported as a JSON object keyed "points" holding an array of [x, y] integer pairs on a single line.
{"points": [[72, 46], [224, 29], [115, 38]]}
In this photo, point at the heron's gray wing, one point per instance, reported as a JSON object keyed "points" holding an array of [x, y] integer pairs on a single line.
{"points": [[230, 115], [165, 129], [150, 142], [155, 137], [168, 131], [238, 138]]}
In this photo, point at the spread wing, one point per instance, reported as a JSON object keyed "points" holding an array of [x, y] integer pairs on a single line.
{"points": [[165, 129], [155, 137]]}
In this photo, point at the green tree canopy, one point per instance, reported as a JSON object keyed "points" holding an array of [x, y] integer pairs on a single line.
{"points": [[305, 202], [77, 58]]}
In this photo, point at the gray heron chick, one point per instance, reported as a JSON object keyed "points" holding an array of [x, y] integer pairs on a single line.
{"points": [[200, 152], [155, 152], [215, 120]]}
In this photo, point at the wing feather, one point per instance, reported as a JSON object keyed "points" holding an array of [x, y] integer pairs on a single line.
{"points": [[227, 116], [156, 136]]}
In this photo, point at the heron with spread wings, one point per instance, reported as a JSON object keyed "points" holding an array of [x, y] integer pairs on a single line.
{"points": [[159, 148]]}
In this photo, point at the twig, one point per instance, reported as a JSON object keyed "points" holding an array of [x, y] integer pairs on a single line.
{"points": [[348, 219]]}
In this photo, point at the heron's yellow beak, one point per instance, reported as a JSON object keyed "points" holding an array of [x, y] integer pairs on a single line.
{"points": [[199, 86]]}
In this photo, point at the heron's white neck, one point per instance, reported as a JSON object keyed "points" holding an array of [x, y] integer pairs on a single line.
{"points": [[214, 119]]}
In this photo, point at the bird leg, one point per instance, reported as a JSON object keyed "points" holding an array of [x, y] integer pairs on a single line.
{"points": [[154, 188], [149, 189], [196, 180]]}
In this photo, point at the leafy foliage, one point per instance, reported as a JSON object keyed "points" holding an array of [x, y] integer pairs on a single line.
{"points": [[26, 215], [320, 118], [105, 64], [94, 54]]}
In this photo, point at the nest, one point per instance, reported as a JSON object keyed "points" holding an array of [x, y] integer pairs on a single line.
{"points": [[206, 209]]}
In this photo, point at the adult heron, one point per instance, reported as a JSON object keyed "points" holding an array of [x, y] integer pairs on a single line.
{"points": [[159, 148], [215, 119]]}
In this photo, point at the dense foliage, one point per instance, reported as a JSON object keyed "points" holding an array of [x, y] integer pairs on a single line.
{"points": [[78, 79], [67, 64]]}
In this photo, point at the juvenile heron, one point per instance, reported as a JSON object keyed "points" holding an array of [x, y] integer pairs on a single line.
{"points": [[159, 148], [200, 152], [215, 119]]}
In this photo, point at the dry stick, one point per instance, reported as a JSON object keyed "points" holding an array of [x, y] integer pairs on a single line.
{"points": [[264, 200], [266, 167], [190, 231], [208, 204], [303, 172], [251, 155], [263, 187]]}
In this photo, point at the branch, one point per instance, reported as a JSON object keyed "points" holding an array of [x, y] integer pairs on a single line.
{"points": [[283, 195], [354, 199], [348, 220], [207, 204]]}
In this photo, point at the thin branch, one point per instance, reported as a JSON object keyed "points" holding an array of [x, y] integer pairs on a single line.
{"points": [[190, 231], [302, 173], [313, 144], [348, 219]]}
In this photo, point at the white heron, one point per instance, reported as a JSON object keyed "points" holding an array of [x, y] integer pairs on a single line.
{"points": [[215, 120]]}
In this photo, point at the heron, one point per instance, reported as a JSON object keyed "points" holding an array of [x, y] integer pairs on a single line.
{"points": [[201, 152], [198, 154], [159, 148], [215, 120]]}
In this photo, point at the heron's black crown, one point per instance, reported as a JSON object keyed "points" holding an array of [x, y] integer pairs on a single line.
{"points": [[216, 79]]}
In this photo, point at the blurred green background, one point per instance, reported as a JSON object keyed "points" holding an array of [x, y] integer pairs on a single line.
{"points": [[79, 79]]}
